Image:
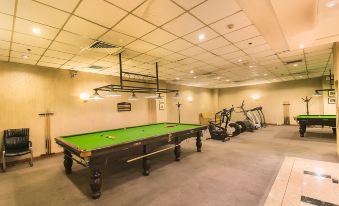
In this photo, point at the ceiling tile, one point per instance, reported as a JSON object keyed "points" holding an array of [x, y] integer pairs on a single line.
{"points": [[4, 58], [188, 4], [30, 40], [213, 10], [28, 49], [145, 58], [23, 61], [4, 45], [40, 13], [134, 26], [214, 43], [7, 6], [256, 41], [6, 21], [65, 47], [257, 49], [130, 53], [24, 26], [84, 28], [158, 12], [84, 60], [195, 36], [77, 64], [128, 5], [19, 55], [66, 5], [225, 50], [234, 55], [117, 38], [182, 25], [140, 46], [4, 52], [53, 60], [159, 52], [73, 39], [174, 57], [177, 45], [48, 64], [242, 34], [5, 35], [104, 13], [57, 54], [238, 21], [158, 37], [192, 51]]}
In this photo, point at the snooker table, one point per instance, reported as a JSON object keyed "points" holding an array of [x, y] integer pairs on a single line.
{"points": [[313, 120], [93, 150]]}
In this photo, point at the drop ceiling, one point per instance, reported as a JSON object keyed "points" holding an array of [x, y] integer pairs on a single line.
{"points": [[204, 43]]}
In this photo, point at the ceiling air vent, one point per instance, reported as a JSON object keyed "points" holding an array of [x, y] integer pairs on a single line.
{"points": [[101, 46]]}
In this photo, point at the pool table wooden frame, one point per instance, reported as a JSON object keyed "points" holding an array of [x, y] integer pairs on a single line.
{"points": [[97, 159], [321, 121]]}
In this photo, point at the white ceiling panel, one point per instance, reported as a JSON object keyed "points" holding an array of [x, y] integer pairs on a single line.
{"points": [[177, 45], [225, 50], [159, 52], [5, 35], [40, 13], [159, 37], [242, 34], [84, 28], [26, 48], [48, 64], [141, 46], [117, 38], [30, 40], [62, 47], [220, 9], [214, 43], [66, 5], [192, 51], [4, 52], [7, 6], [74, 39], [231, 23], [256, 41], [23, 61], [128, 5], [26, 27], [201, 35], [158, 12], [53, 60], [57, 54], [134, 26], [100, 11], [188, 4], [182, 25], [4, 45], [6, 21]]}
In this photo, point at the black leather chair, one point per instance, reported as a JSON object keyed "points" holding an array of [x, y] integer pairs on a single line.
{"points": [[16, 143]]}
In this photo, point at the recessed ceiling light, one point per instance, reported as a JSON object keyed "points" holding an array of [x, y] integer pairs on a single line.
{"points": [[301, 46], [251, 66], [36, 30], [177, 78], [265, 74], [331, 4], [192, 71], [194, 77], [239, 60], [295, 65], [227, 80], [274, 79], [218, 78], [201, 37], [300, 76], [25, 56]]}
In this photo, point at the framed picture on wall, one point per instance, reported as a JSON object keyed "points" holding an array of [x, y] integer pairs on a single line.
{"points": [[161, 105], [331, 93], [331, 100]]}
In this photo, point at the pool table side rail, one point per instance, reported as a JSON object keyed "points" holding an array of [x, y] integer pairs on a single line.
{"points": [[117, 147]]}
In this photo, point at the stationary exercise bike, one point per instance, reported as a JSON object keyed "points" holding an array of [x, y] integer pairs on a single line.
{"points": [[256, 117], [222, 128], [248, 124]]}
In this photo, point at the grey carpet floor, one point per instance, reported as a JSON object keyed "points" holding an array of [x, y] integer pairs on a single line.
{"points": [[238, 173]]}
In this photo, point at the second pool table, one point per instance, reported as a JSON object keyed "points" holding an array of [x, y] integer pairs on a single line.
{"points": [[93, 150], [313, 120]]}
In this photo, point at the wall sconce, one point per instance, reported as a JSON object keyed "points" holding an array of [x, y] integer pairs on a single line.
{"points": [[189, 99], [84, 96], [255, 96]]}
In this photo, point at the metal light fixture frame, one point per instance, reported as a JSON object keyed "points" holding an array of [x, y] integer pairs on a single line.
{"points": [[130, 77]]}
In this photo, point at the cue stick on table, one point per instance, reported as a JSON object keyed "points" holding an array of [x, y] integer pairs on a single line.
{"points": [[149, 154]]}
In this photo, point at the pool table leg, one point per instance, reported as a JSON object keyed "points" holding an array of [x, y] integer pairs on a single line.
{"points": [[198, 142], [302, 129], [95, 177], [68, 161], [334, 130], [177, 150], [146, 163]]}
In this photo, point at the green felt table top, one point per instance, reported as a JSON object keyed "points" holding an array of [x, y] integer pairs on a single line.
{"points": [[95, 140], [316, 116]]}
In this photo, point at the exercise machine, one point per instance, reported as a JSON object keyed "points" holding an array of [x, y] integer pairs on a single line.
{"points": [[222, 128], [248, 124]]}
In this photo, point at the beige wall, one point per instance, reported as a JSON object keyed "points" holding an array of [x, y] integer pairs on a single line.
{"points": [[273, 96], [336, 75], [29, 90]]}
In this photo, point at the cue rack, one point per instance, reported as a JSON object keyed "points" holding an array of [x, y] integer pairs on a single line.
{"points": [[48, 143]]}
